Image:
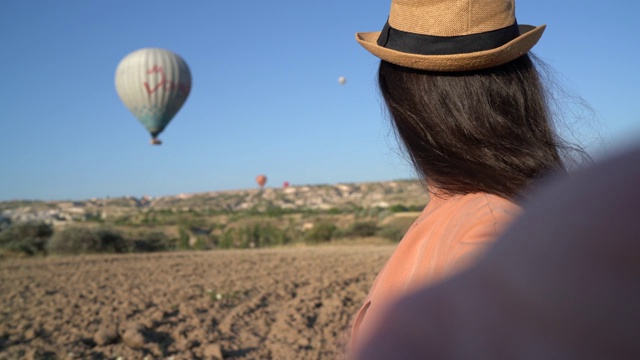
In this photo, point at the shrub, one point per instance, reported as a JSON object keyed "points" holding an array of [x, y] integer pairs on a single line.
{"points": [[79, 240], [183, 238], [392, 233], [253, 235], [369, 212], [199, 244], [270, 235], [111, 241], [362, 229], [29, 238], [275, 211], [399, 208], [321, 232], [5, 223], [228, 239], [152, 241], [384, 214]]}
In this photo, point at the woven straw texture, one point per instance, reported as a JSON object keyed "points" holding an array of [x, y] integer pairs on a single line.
{"points": [[453, 18]]}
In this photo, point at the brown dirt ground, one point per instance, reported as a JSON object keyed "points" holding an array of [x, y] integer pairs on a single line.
{"points": [[288, 303]]}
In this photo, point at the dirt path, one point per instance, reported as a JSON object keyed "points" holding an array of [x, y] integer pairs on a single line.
{"points": [[292, 303]]}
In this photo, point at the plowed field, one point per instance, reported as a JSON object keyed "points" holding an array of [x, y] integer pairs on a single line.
{"points": [[290, 303]]}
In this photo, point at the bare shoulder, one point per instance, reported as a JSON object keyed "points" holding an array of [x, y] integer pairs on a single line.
{"points": [[483, 204], [481, 217]]}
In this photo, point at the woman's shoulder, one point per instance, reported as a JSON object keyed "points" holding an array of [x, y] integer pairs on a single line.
{"points": [[483, 214], [483, 203]]}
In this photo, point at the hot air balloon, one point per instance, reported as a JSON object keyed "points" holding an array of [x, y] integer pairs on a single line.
{"points": [[342, 80], [285, 184], [153, 84], [261, 180]]}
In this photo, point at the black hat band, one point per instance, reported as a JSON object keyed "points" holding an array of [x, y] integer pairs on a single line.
{"points": [[419, 44]]}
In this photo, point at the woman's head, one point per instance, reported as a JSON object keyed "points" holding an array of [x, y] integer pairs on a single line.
{"points": [[464, 94], [481, 131]]}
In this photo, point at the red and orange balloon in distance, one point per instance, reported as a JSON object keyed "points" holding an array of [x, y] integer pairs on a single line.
{"points": [[261, 180]]}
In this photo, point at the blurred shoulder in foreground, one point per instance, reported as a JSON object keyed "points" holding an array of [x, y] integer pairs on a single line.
{"points": [[563, 282]]}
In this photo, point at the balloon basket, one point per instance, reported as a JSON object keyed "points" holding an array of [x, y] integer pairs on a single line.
{"points": [[155, 141]]}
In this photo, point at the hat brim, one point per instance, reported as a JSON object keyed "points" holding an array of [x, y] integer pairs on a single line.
{"points": [[529, 36]]}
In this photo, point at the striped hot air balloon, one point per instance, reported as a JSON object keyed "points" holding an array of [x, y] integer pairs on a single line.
{"points": [[153, 84]]}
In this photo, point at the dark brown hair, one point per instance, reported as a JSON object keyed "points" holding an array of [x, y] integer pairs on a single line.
{"points": [[482, 131]]}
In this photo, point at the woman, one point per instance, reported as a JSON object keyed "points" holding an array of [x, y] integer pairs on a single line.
{"points": [[471, 110], [553, 286]]}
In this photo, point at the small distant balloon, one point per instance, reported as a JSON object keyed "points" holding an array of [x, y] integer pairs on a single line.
{"points": [[285, 184], [261, 180], [342, 80], [153, 84]]}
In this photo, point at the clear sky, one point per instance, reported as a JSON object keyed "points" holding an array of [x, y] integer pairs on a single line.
{"points": [[265, 96]]}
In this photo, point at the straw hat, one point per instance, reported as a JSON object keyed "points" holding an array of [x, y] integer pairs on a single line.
{"points": [[451, 35]]}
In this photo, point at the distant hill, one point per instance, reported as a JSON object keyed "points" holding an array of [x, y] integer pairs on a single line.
{"points": [[341, 198]]}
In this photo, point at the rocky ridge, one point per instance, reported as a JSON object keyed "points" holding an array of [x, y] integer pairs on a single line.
{"points": [[342, 197]]}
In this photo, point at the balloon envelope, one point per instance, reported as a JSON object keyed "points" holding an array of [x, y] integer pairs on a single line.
{"points": [[153, 84], [342, 80], [261, 180]]}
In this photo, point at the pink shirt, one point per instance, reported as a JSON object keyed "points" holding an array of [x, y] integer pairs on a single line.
{"points": [[444, 238]]}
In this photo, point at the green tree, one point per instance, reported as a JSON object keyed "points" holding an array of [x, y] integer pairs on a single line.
{"points": [[81, 240], [321, 232], [29, 238]]}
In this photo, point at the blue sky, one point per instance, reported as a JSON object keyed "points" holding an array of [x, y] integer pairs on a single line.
{"points": [[265, 96]]}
